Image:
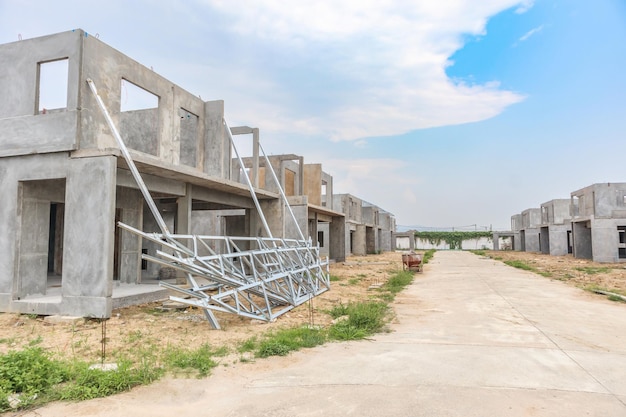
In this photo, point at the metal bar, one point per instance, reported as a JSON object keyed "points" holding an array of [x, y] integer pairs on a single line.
{"points": [[130, 163], [248, 182], [282, 192]]}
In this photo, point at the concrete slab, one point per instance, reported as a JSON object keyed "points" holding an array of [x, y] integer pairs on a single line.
{"points": [[472, 338]]}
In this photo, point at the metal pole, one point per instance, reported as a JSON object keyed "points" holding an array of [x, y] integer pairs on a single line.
{"points": [[131, 164], [282, 192], [245, 174]]}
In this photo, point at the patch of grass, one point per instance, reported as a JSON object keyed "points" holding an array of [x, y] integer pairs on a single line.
{"points": [[591, 270], [339, 310], [247, 345], [428, 255], [135, 336], [334, 278], [363, 319], [398, 281], [546, 274], [520, 265], [479, 252], [29, 373], [87, 383], [281, 342], [353, 281], [613, 295], [199, 360], [617, 298]]}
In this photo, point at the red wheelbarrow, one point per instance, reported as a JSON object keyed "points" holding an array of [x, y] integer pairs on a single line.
{"points": [[412, 261]]}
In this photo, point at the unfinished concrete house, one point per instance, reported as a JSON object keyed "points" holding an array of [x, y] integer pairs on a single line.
{"points": [[309, 191], [369, 229], [380, 226], [555, 235], [65, 183], [529, 232], [509, 240], [599, 222]]}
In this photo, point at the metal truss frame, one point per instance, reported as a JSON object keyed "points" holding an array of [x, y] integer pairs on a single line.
{"points": [[254, 277]]}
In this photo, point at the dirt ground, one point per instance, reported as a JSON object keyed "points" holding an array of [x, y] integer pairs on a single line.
{"points": [[134, 327], [139, 326], [581, 273]]}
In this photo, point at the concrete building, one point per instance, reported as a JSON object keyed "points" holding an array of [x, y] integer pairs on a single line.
{"points": [[309, 191], [368, 228], [509, 240], [529, 232], [599, 222], [65, 185], [555, 235]]}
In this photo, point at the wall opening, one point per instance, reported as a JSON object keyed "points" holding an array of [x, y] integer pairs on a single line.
{"points": [[139, 118], [621, 250], [52, 82], [40, 247], [320, 239], [570, 243]]}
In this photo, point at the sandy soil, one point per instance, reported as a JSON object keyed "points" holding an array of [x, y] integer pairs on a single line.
{"points": [[134, 327], [577, 272]]}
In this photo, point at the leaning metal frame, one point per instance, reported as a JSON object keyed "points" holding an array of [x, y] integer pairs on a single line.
{"points": [[254, 277]]}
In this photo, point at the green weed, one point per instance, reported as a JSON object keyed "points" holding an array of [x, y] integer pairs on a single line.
{"points": [[281, 342], [428, 256], [519, 265], [591, 270], [200, 359], [398, 281]]}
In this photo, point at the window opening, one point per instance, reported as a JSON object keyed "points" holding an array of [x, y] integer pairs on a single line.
{"points": [[320, 239], [621, 251], [139, 118], [136, 98], [52, 85]]}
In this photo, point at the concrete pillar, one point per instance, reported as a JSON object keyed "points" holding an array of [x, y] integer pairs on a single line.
{"points": [[217, 158], [89, 236], [130, 201], [337, 239], [359, 245]]}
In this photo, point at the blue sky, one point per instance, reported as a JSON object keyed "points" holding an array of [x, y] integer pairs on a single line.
{"points": [[449, 113]]}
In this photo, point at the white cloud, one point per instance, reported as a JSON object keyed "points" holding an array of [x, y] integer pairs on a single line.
{"points": [[395, 53], [525, 6], [531, 33], [386, 182]]}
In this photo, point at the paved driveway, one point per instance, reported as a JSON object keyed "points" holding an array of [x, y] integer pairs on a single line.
{"points": [[472, 337]]}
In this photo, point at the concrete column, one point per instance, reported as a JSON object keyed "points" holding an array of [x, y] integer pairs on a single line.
{"points": [[183, 212], [131, 203], [359, 245], [337, 239], [89, 236], [217, 158]]}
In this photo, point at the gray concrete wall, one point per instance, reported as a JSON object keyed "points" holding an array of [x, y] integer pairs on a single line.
{"points": [[22, 129], [88, 233]]}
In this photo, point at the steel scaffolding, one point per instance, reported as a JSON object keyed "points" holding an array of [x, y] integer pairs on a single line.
{"points": [[254, 277]]}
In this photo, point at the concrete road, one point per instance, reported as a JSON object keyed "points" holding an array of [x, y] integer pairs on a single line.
{"points": [[473, 337]]}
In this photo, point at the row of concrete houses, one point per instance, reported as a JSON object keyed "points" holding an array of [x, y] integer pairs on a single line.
{"points": [[65, 184], [591, 224]]}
